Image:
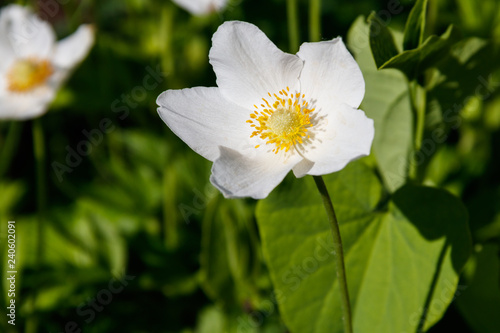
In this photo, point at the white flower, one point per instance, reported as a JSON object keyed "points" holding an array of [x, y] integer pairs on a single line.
{"points": [[34, 65], [202, 7], [272, 112]]}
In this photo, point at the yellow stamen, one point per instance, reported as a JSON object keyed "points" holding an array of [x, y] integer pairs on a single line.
{"points": [[27, 74], [283, 124]]}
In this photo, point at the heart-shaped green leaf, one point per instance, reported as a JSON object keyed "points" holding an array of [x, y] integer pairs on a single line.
{"points": [[402, 263]]}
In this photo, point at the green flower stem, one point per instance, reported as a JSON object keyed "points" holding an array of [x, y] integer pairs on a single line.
{"points": [[165, 33], [338, 253], [170, 228], [314, 20], [39, 155], [10, 146], [419, 100], [293, 25]]}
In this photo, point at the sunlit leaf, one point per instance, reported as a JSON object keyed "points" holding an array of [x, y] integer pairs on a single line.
{"points": [[396, 127], [402, 264], [387, 103]]}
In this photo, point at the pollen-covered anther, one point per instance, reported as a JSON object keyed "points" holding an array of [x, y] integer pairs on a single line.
{"points": [[282, 122], [27, 74]]}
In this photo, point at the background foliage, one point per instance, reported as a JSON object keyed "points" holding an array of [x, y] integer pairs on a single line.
{"points": [[420, 217]]}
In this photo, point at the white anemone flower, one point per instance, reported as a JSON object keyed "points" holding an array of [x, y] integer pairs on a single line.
{"points": [[202, 7], [34, 65], [272, 112]]}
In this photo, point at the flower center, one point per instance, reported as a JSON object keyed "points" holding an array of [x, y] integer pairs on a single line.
{"points": [[26, 74], [282, 122]]}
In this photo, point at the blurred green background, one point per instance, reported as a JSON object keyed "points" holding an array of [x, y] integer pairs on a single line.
{"points": [[139, 209]]}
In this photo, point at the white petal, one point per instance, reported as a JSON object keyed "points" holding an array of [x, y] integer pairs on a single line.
{"points": [[74, 48], [28, 35], [330, 74], [201, 7], [57, 78], [203, 119], [347, 134], [6, 50], [302, 168], [23, 106], [248, 65], [32, 103], [238, 176]]}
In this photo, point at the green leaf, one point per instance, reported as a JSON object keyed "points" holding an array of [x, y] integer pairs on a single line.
{"points": [[215, 273], [387, 103], [398, 262], [227, 262], [432, 51], [211, 319], [11, 193], [479, 297], [415, 26], [93, 236], [463, 74], [478, 18], [397, 126], [381, 40]]}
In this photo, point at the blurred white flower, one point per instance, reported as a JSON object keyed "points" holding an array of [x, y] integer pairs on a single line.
{"points": [[272, 112], [202, 7], [34, 65]]}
